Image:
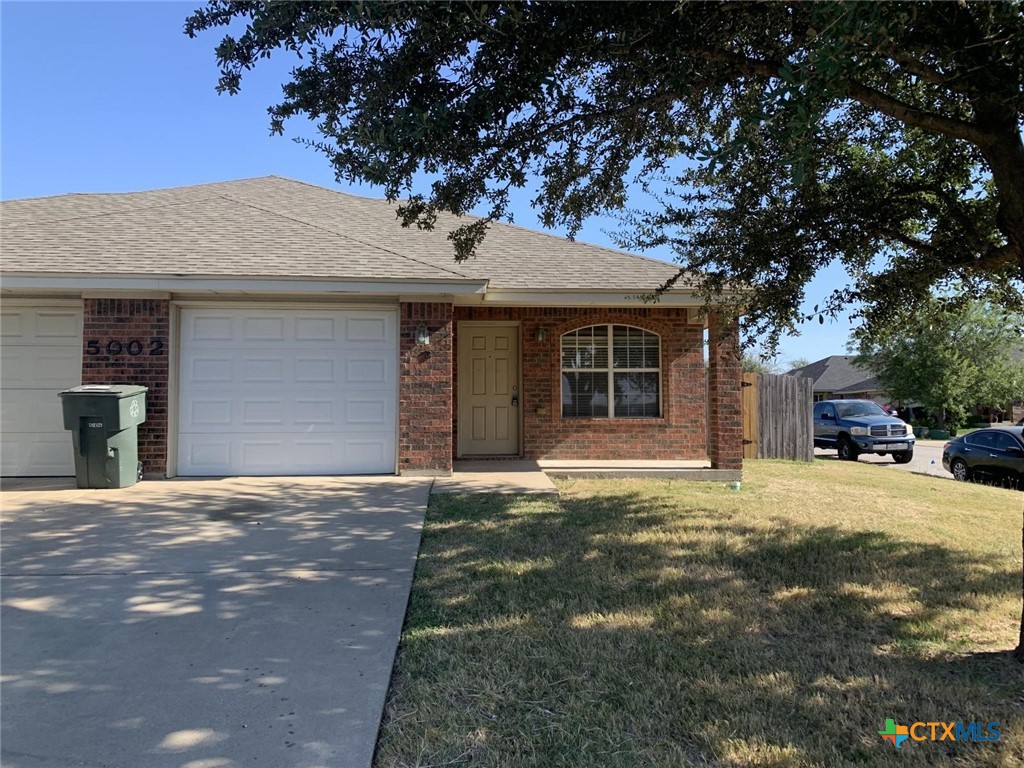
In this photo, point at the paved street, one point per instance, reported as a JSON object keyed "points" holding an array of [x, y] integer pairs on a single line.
{"points": [[927, 459]]}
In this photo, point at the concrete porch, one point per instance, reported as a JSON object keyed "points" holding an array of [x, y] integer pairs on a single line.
{"points": [[523, 476], [676, 469]]}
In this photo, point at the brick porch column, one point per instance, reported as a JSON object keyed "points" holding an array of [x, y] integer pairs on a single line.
{"points": [[425, 387], [125, 341], [725, 399]]}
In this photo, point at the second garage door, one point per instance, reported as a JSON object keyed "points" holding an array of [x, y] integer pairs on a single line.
{"points": [[40, 354], [287, 391]]}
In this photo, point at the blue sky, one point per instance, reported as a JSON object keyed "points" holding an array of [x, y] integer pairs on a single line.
{"points": [[113, 97]]}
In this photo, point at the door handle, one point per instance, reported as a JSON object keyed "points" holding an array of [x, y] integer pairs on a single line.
{"points": [[515, 400]]}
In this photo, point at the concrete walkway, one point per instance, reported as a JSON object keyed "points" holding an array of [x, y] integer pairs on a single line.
{"points": [[204, 624], [515, 476]]}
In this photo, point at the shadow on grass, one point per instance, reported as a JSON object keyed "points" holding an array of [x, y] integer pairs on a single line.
{"points": [[630, 630]]}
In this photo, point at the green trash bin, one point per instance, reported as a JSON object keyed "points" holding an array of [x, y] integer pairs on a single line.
{"points": [[104, 423]]}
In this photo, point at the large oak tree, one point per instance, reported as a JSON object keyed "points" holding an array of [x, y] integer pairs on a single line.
{"points": [[779, 138]]}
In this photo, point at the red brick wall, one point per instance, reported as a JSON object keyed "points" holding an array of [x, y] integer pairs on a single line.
{"points": [[427, 396], [109, 322], [425, 390], [678, 434], [725, 398]]}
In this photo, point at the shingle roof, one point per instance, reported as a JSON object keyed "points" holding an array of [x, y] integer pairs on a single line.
{"points": [[277, 227], [870, 384], [837, 373]]}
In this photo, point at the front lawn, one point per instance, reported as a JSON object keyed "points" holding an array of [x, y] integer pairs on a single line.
{"points": [[671, 623]]}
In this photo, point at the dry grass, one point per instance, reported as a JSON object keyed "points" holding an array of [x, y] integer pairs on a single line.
{"points": [[653, 623]]}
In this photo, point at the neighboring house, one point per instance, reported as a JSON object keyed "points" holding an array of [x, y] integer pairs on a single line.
{"points": [[837, 377], [284, 328]]}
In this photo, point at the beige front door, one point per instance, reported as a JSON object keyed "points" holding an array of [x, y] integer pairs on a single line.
{"points": [[488, 390]]}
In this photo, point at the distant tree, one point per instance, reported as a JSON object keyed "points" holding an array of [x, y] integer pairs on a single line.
{"points": [[754, 363], [949, 362], [799, 362], [1002, 384], [779, 137]]}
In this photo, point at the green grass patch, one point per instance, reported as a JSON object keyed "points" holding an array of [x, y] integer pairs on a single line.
{"points": [[672, 623]]}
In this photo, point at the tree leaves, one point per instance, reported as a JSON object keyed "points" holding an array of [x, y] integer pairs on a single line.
{"points": [[949, 360], [780, 138]]}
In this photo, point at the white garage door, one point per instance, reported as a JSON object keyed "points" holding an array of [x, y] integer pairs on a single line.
{"points": [[287, 392], [40, 355]]}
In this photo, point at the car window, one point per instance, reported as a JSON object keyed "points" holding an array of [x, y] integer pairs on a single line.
{"points": [[827, 410], [846, 410], [1003, 442], [980, 439]]}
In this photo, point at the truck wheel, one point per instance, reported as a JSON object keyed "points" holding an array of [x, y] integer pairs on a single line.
{"points": [[847, 450], [903, 457]]}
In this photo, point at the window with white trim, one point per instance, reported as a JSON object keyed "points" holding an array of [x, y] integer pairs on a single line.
{"points": [[617, 359]]}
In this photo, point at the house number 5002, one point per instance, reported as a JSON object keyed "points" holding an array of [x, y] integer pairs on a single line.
{"points": [[115, 347]]}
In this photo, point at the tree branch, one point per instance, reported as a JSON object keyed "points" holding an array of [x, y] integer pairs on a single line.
{"points": [[919, 118], [953, 208], [869, 97], [589, 117], [926, 73], [910, 242], [992, 259]]}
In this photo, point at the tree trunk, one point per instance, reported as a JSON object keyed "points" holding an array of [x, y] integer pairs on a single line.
{"points": [[1005, 157]]}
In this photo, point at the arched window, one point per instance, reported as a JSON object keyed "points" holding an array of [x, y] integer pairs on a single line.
{"points": [[616, 359]]}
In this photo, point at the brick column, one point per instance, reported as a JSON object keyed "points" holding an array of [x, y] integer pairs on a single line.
{"points": [[725, 399], [425, 387], [125, 341]]}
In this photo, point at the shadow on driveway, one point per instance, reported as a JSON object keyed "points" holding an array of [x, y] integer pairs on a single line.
{"points": [[204, 624]]}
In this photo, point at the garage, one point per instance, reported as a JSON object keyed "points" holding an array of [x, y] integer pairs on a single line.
{"points": [[279, 391], [40, 355]]}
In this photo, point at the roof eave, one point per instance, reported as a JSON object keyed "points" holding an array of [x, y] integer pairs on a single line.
{"points": [[576, 297], [244, 285]]}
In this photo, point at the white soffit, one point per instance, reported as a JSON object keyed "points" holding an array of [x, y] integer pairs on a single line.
{"points": [[580, 299]]}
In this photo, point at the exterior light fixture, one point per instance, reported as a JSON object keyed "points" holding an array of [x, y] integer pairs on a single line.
{"points": [[422, 334], [541, 335]]}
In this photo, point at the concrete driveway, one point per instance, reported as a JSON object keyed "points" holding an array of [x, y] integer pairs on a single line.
{"points": [[204, 624]]}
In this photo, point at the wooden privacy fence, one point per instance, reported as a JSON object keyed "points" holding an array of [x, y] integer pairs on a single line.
{"points": [[777, 417]]}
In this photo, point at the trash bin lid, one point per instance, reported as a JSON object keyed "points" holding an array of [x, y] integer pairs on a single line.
{"points": [[106, 390]]}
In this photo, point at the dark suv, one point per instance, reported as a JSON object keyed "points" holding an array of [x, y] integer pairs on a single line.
{"points": [[854, 427]]}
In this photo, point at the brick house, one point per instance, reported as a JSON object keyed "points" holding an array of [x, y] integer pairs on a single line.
{"points": [[284, 328], [838, 377]]}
